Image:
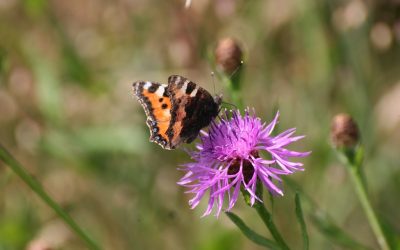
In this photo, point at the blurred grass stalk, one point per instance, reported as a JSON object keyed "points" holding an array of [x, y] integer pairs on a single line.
{"points": [[300, 219], [9, 160], [322, 221]]}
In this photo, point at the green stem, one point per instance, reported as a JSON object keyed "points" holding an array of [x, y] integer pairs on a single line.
{"points": [[267, 219], [9, 160], [366, 205], [233, 85]]}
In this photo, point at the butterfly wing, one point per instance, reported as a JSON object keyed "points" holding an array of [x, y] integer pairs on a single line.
{"points": [[193, 108], [157, 106]]}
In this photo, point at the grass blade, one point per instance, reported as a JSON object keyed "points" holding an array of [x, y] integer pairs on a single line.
{"points": [[300, 219], [9, 160]]}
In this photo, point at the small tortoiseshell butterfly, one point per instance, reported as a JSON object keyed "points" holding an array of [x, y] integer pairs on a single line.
{"points": [[176, 112]]}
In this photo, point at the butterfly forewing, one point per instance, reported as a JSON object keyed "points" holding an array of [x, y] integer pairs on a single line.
{"points": [[157, 106]]}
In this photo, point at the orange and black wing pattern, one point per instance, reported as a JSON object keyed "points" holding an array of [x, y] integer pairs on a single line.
{"points": [[157, 106], [175, 112]]}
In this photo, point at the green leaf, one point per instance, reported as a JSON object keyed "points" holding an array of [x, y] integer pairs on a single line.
{"points": [[300, 219], [250, 234]]}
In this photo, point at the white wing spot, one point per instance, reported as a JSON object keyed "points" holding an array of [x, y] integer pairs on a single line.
{"points": [[147, 85], [194, 92], [184, 87], [160, 91]]}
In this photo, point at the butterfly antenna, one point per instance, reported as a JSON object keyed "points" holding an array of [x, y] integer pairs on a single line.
{"points": [[231, 104], [213, 80], [236, 70]]}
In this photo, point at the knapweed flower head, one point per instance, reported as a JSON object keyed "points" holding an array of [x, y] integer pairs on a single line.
{"points": [[344, 131], [236, 153], [228, 55]]}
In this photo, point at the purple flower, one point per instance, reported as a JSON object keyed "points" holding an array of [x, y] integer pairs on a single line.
{"points": [[231, 156]]}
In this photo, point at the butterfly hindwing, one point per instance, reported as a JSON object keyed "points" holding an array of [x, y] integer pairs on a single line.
{"points": [[157, 106], [192, 109]]}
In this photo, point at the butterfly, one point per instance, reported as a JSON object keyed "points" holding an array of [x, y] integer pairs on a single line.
{"points": [[176, 112]]}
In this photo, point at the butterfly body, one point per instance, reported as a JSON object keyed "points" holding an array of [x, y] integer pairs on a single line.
{"points": [[176, 112]]}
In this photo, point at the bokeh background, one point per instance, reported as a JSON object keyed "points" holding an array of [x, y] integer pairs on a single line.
{"points": [[67, 113]]}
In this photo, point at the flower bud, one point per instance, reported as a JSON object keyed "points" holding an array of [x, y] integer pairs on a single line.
{"points": [[228, 55], [344, 131]]}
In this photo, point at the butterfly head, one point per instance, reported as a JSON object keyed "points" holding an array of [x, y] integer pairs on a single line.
{"points": [[218, 99], [217, 105]]}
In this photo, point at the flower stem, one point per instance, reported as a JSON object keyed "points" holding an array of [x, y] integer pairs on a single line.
{"points": [[234, 89], [267, 219], [366, 205], [250, 234], [9, 160]]}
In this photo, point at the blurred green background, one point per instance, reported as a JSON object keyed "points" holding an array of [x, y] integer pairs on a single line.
{"points": [[67, 113]]}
